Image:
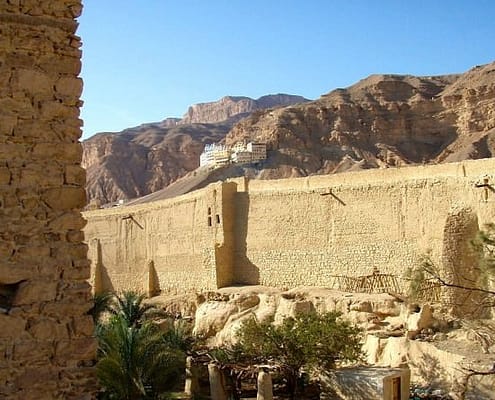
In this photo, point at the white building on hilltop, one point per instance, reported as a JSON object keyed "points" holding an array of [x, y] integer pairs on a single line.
{"points": [[216, 155], [257, 150], [207, 157]]}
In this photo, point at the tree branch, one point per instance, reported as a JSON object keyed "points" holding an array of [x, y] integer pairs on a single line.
{"points": [[457, 286]]}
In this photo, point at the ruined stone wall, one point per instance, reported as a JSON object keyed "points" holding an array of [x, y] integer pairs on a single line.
{"points": [[294, 232], [46, 344], [183, 239]]}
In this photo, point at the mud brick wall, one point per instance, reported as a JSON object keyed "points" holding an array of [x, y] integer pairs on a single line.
{"points": [[293, 232], [46, 345]]}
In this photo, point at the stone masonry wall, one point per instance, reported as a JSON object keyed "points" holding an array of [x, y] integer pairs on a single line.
{"points": [[292, 232], [182, 238], [46, 345], [307, 231]]}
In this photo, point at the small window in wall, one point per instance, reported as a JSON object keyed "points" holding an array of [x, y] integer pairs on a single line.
{"points": [[209, 221], [218, 218], [7, 294], [209, 210]]}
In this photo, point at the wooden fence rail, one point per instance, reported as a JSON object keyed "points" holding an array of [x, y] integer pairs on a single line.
{"points": [[377, 283]]}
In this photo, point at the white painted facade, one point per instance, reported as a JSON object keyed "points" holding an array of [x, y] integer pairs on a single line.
{"points": [[257, 150], [216, 155]]}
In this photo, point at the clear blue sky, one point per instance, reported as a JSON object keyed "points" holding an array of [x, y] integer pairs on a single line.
{"points": [[145, 60]]}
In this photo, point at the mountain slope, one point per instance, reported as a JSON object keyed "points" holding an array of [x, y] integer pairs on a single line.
{"points": [[147, 158], [234, 108], [381, 121]]}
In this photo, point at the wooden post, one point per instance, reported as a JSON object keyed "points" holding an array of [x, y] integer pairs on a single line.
{"points": [[217, 383], [191, 386], [265, 387]]}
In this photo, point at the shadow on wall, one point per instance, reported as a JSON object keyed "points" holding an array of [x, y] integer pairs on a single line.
{"points": [[102, 282], [245, 272], [354, 387], [430, 370], [460, 261]]}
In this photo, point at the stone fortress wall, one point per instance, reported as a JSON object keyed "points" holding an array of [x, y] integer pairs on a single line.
{"points": [[47, 348], [293, 232]]}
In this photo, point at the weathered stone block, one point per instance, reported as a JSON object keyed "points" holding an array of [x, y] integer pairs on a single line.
{"points": [[68, 131], [35, 291], [77, 272], [7, 124], [33, 376], [67, 254], [65, 198], [67, 221], [60, 64], [62, 152], [4, 176], [21, 107], [31, 204], [31, 253], [47, 329], [75, 175], [11, 326], [37, 82], [9, 151], [66, 308], [82, 326], [6, 250], [51, 109], [75, 236], [41, 175], [69, 86], [33, 352], [10, 273], [76, 349], [20, 60]]}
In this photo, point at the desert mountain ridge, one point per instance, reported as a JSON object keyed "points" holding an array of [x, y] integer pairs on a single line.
{"points": [[148, 157], [381, 121]]}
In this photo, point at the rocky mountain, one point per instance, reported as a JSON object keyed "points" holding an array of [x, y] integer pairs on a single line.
{"points": [[146, 158], [234, 108], [381, 121]]}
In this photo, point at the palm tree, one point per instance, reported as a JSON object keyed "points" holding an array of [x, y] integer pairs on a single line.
{"points": [[131, 307], [135, 361], [101, 304]]}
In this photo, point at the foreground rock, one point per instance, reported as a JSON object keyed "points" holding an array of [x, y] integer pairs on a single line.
{"points": [[396, 334]]}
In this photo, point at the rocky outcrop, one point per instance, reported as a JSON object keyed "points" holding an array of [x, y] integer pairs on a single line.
{"points": [[395, 333], [144, 159], [235, 108], [382, 121], [147, 158]]}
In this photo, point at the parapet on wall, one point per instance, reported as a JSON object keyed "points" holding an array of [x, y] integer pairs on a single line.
{"points": [[293, 232], [47, 348]]}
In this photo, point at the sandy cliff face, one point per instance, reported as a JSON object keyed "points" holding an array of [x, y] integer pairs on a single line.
{"points": [[381, 121], [235, 107], [144, 159]]}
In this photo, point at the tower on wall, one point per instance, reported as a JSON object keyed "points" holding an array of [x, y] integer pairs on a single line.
{"points": [[47, 348]]}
